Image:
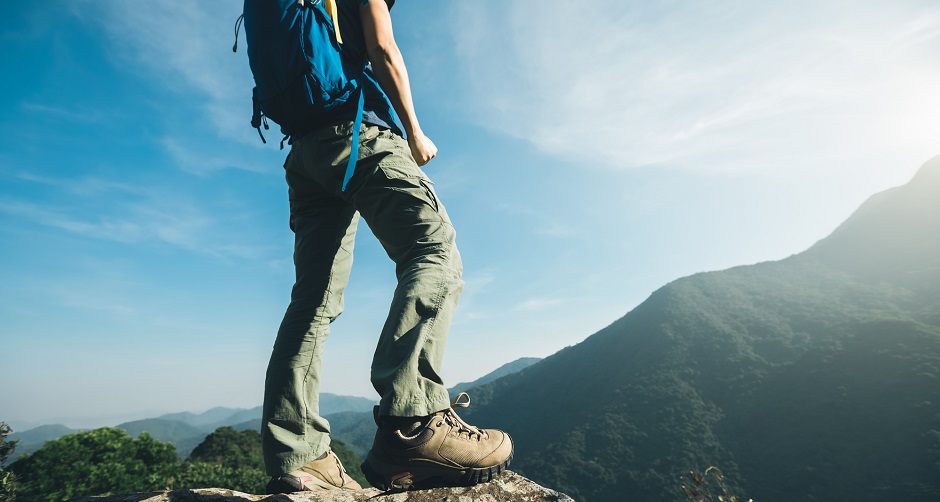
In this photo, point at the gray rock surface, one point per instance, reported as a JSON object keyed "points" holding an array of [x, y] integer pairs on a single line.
{"points": [[509, 486]]}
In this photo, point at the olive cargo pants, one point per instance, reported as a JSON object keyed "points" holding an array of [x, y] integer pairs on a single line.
{"points": [[398, 202]]}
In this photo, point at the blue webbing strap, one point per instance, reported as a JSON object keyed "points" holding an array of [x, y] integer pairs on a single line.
{"points": [[354, 149]]}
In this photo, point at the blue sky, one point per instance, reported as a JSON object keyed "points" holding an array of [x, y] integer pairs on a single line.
{"points": [[590, 152]]}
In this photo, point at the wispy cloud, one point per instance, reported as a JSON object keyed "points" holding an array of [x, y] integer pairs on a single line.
{"points": [[81, 116], [149, 224], [200, 162], [85, 186], [543, 223], [538, 304], [476, 284], [186, 47], [719, 87], [104, 295], [129, 214]]}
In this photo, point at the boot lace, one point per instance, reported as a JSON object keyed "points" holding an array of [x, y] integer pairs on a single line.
{"points": [[451, 418]]}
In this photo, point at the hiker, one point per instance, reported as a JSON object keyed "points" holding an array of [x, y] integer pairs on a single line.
{"points": [[336, 171]]}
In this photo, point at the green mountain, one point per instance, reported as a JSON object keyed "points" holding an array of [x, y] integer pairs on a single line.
{"points": [[219, 415], [183, 436], [248, 425], [31, 440], [231, 417], [356, 429], [816, 377], [240, 417], [186, 430], [331, 403], [894, 236], [506, 369]]}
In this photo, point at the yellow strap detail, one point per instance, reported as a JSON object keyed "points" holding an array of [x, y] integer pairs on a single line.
{"points": [[331, 10]]}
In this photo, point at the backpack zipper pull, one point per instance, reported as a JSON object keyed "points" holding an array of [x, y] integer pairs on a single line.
{"points": [[238, 24]]}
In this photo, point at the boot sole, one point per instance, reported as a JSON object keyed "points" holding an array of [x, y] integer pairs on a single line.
{"points": [[407, 479]]}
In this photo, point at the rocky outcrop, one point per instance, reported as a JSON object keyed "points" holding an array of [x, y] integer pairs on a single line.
{"points": [[509, 486]]}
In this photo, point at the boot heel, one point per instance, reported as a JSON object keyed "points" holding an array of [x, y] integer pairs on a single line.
{"points": [[374, 478]]}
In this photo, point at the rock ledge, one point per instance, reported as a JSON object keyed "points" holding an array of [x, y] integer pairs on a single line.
{"points": [[509, 486]]}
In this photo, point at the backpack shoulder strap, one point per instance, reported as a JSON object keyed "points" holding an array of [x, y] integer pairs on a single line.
{"points": [[333, 12], [354, 148]]}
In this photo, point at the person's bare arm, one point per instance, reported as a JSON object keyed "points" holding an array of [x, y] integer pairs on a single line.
{"points": [[389, 68]]}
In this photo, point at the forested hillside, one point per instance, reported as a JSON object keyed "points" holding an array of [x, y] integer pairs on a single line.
{"points": [[816, 377]]}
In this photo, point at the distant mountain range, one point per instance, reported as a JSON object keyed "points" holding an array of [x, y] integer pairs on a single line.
{"points": [[816, 377], [186, 430]]}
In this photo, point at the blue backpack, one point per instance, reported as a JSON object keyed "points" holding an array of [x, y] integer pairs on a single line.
{"points": [[302, 76]]}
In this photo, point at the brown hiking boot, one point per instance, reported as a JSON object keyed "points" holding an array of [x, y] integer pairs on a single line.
{"points": [[323, 473], [437, 450]]}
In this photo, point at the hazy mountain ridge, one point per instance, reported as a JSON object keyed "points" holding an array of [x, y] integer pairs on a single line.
{"points": [[506, 369], [894, 235], [205, 419], [811, 377], [31, 440], [351, 417], [184, 437], [185, 429]]}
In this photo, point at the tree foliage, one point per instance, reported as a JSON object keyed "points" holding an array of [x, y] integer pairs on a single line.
{"points": [[108, 461], [230, 448], [226, 458], [232, 459], [7, 479], [98, 462], [244, 479]]}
